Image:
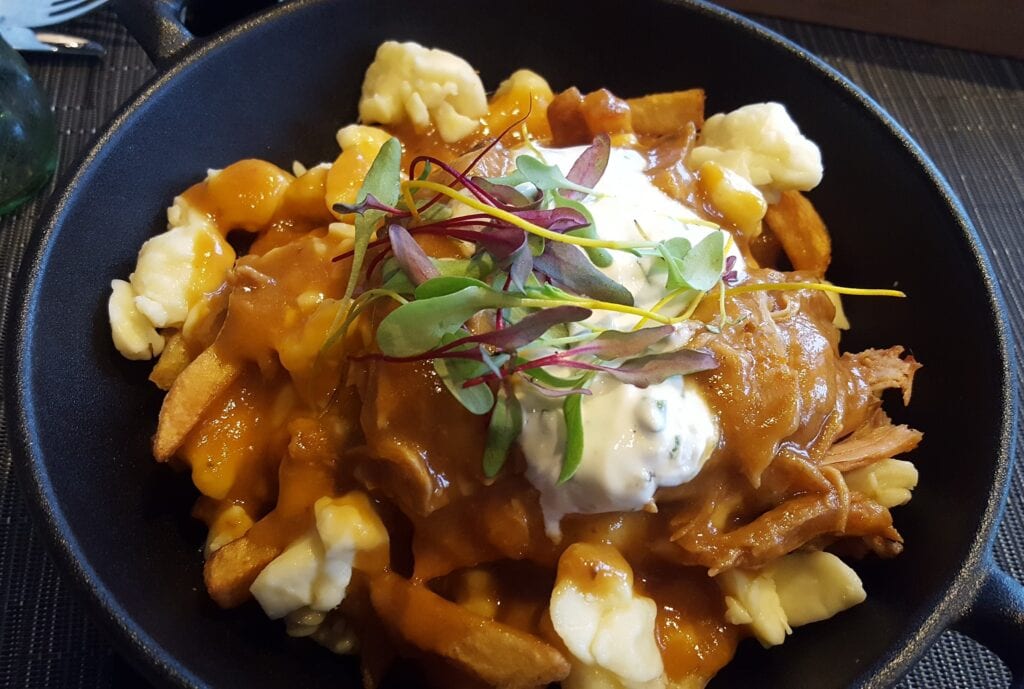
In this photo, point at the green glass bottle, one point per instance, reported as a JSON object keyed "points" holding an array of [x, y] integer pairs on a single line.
{"points": [[28, 135]]}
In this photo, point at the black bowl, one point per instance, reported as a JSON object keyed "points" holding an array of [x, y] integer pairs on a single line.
{"points": [[278, 87]]}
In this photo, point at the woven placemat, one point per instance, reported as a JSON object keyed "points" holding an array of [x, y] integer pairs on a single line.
{"points": [[966, 110]]}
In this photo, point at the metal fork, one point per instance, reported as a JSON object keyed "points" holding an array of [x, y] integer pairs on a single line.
{"points": [[32, 13]]}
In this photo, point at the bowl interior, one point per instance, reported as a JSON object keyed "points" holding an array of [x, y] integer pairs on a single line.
{"points": [[279, 91]]}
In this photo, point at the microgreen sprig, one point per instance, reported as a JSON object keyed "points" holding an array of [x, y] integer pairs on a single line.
{"points": [[534, 277]]}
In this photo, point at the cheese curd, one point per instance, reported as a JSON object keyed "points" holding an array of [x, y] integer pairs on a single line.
{"points": [[764, 145], [794, 590], [315, 570], [888, 482], [607, 627], [133, 333], [424, 86], [173, 272], [638, 439]]}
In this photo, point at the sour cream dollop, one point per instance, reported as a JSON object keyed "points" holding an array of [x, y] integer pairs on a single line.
{"points": [[635, 440]]}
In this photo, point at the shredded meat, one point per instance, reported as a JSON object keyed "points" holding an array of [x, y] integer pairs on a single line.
{"points": [[886, 368], [780, 379], [422, 447], [795, 414], [871, 443]]}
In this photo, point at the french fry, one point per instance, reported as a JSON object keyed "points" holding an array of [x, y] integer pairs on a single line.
{"points": [[501, 655], [173, 360], [661, 114], [606, 113], [230, 571], [305, 474], [801, 231], [565, 116], [193, 391]]}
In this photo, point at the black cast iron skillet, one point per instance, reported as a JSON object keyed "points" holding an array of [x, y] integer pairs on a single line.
{"points": [[278, 86]]}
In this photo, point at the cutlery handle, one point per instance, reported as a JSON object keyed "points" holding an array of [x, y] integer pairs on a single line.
{"points": [[995, 618], [157, 26]]}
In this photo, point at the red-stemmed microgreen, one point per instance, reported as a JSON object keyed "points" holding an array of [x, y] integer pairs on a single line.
{"points": [[730, 276], [473, 163], [411, 258], [509, 197], [570, 268], [370, 203], [454, 370]]}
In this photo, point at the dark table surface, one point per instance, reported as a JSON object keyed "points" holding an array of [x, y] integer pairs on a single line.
{"points": [[965, 109]]}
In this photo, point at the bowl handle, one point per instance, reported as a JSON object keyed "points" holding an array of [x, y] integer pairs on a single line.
{"points": [[157, 26], [995, 618]]}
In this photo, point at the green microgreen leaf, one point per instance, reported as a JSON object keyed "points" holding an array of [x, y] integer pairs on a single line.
{"points": [[573, 412], [601, 258], [447, 284], [395, 279], [551, 380], [505, 426], [702, 266], [436, 213], [421, 325], [546, 177], [697, 267], [673, 251], [383, 180], [478, 399]]}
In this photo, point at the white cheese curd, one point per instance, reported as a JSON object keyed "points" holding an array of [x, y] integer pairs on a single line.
{"points": [[164, 274], [792, 591], [315, 570], [636, 440], [763, 144], [606, 626], [133, 334], [888, 482], [173, 271], [422, 85]]}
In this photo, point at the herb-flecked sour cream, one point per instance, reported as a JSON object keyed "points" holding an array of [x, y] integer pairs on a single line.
{"points": [[636, 439]]}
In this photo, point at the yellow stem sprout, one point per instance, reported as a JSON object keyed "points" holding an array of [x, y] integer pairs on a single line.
{"points": [[820, 286]]}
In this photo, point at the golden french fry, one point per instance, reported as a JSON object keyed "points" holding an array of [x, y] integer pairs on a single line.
{"points": [[305, 474], [661, 114], [230, 571], [565, 117], [801, 231], [171, 363], [193, 391], [606, 113], [500, 655]]}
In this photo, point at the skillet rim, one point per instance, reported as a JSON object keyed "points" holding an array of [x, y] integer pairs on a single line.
{"points": [[155, 662]]}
